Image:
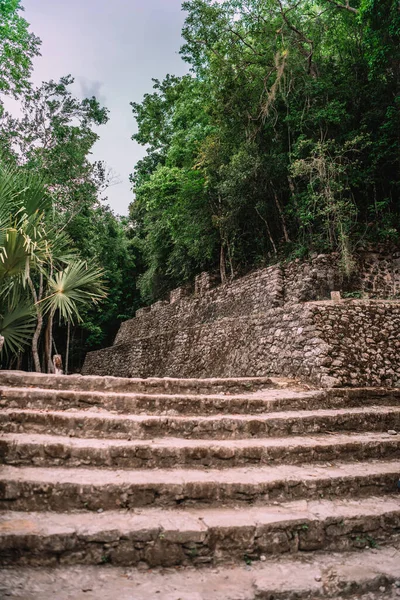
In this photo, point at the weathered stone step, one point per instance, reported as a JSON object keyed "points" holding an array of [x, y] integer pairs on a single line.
{"points": [[188, 404], [61, 489], [195, 536], [108, 425], [268, 400], [164, 385], [304, 577], [47, 450]]}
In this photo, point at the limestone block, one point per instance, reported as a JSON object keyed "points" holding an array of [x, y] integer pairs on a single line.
{"points": [[157, 305], [178, 294], [142, 311]]}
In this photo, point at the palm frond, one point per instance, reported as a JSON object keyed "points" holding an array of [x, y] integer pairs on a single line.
{"points": [[62, 249], [13, 254], [21, 189], [23, 207], [77, 284], [12, 289], [17, 325]]}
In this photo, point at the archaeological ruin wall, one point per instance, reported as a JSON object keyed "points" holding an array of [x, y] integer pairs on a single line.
{"points": [[275, 321]]}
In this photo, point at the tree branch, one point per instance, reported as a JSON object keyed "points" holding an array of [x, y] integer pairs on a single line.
{"points": [[344, 6], [241, 38], [204, 43], [303, 38], [271, 239]]}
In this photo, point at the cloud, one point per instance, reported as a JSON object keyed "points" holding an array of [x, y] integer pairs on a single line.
{"points": [[89, 88]]}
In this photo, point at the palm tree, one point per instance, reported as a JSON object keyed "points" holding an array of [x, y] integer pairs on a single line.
{"points": [[40, 273], [78, 284], [23, 247]]}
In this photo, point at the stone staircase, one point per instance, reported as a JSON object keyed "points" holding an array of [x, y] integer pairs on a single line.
{"points": [[209, 489]]}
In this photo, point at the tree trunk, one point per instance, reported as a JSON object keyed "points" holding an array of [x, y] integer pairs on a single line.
{"points": [[230, 261], [46, 348], [67, 348], [1, 342], [282, 216], [49, 336], [35, 340], [271, 239], [222, 266]]}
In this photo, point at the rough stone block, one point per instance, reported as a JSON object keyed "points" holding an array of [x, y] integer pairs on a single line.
{"points": [[205, 282], [158, 305], [179, 293], [142, 311]]}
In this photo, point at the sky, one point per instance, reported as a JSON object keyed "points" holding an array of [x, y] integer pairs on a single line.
{"points": [[113, 49]]}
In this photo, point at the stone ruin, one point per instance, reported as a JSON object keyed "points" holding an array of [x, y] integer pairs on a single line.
{"points": [[166, 488], [279, 320]]}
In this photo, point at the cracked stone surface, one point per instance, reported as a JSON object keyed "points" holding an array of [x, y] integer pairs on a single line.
{"points": [[197, 490], [320, 576]]}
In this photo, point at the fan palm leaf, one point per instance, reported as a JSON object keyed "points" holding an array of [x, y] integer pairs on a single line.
{"points": [[17, 324], [76, 285], [23, 207], [21, 189]]}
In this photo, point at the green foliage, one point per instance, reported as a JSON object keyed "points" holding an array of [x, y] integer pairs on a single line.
{"points": [[101, 236], [17, 324], [77, 284], [283, 140], [18, 46], [39, 272], [24, 203], [172, 216], [55, 228], [381, 25], [54, 137]]}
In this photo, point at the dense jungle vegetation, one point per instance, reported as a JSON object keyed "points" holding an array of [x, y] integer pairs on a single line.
{"points": [[283, 139]]}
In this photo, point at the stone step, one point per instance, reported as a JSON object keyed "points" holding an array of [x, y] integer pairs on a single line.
{"points": [[268, 400], [47, 450], [304, 577], [103, 424], [188, 404], [61, 489], [156, 385], [196, 536]]}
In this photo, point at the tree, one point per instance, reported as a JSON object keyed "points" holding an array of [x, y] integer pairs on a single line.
{"points": [[39, 273], [52, 141], [23, 248], [18, 46], [289, 126], [77, 284], [55, 136], [172, 214]]}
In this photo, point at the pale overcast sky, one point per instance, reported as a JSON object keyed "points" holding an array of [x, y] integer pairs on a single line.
{"points": [[113, 49]]}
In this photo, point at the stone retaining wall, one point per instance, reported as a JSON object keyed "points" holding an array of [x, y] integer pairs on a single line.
{"points": [[353, 343], [253, 293], [377, 276], [266, 323], [362, 342]]}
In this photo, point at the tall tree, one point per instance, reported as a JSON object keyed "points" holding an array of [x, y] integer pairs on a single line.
{"points": [[18, 46], [55, 136], [293, 106]]}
